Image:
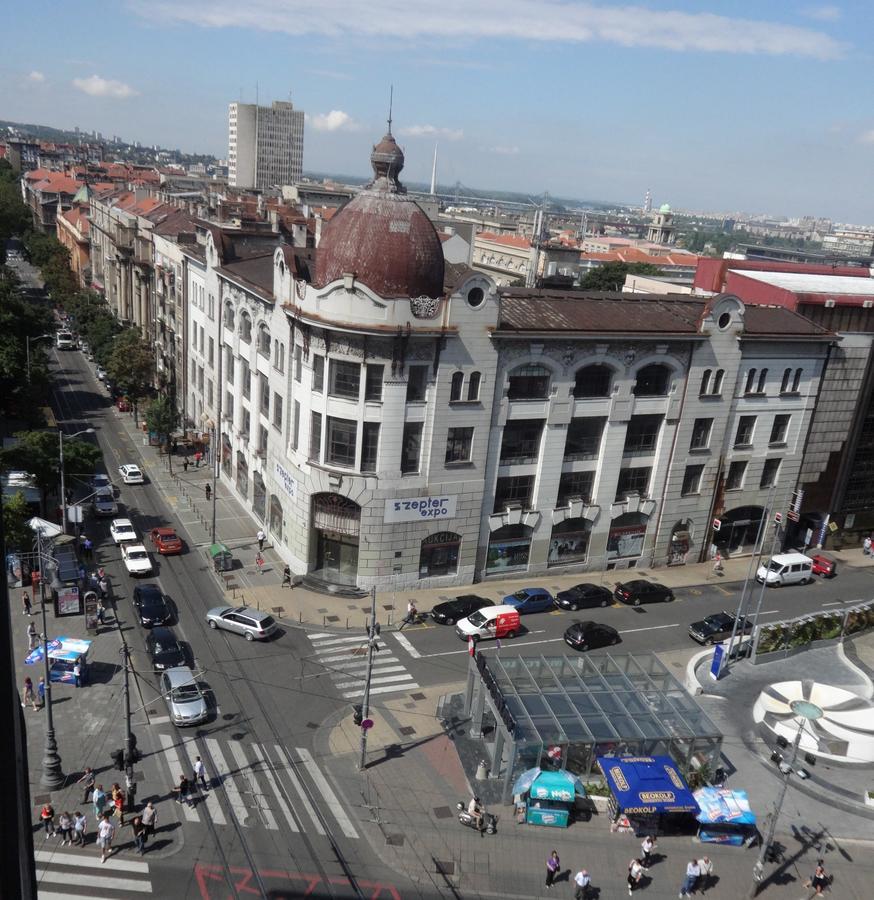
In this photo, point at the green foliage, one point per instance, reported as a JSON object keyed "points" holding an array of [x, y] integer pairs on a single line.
{"points": [[597, 789], [162, 418], [16, 513], [14, 215], [611, 275], [719, 242], [131, 365]]}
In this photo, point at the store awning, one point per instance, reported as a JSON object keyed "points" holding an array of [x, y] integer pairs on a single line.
{"points": [[647, 784], [720, 806], [549, 785]]}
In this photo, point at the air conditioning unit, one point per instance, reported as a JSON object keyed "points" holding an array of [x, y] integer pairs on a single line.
{"points": [[829, 304], [867, 304]]}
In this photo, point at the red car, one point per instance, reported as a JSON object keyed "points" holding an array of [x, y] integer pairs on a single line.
{"points": [[166, 541], [824, 565]]}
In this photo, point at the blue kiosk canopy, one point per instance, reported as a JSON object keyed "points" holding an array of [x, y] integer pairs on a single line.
{"points": [[545, 785], [647, 784], [723, 807]]}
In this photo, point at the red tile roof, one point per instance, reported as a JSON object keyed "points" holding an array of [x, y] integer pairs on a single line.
{"points": [[509, 240]]}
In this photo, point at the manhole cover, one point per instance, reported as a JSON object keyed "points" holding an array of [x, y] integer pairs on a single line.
{"points": [[238, 735], [388, 606], [417, 696], [152, 712], [228, 716], [444, 868], [407, 730], [332, 618], [442, 812], [358, 651], [39, 799], [395, 840], [639, 610]]}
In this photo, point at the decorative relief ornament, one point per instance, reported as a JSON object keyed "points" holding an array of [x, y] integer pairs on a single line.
{"points": [[300, 288], [425, 307]]}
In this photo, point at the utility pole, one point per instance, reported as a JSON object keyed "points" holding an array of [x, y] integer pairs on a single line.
{"points": [[130, 789], [214, 459], [372, 635], [52, 775]]}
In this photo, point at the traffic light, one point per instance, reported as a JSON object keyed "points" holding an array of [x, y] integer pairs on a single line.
{"points": [[118, 759], [357, 714]]}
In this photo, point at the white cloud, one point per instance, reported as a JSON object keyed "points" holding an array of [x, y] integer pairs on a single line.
{"points": [[104, 87], [36, 77], [503, 150], [825, 13], [431, 131], [335, 120], [867, 137], [554, 21]]}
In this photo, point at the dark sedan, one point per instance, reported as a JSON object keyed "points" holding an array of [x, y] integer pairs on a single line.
{"points": [[583, 596], [451, 611], [718, 628], [641, 591], [151, 605], [165, 650], [587, 635]]}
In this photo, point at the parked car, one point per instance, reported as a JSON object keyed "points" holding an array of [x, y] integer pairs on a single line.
{"points": [[530, 600], [100, 372], [824, 565], [104, 503], [642, 591], [185, 701], [122, 530], [786, 568], [251, 623], [99, 482], [151, 605], [586, 635], [166, 652], [131, 474], [583, 596], [166, 541], [451, 611], [122, 404], [136, 559], [718, 628]]}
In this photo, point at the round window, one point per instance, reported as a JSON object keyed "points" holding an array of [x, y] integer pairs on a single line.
{"points": [[475, 297], [724, 320]]}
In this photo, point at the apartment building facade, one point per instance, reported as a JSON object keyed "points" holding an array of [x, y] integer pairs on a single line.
{"points": [[265, 145]]}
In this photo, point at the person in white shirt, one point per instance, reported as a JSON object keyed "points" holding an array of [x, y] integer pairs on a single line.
{"points": [[635, 872], [693, 873], [200, 773], [705, 864], [647, 847], [582, 882], [79, 824], [476, 811], [105, 834]]}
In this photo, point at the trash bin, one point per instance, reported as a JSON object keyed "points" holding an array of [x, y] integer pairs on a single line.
{"points": [[222, 559]]}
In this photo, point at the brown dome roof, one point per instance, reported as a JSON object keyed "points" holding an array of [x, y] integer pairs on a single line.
{"points": [[382, 236]]}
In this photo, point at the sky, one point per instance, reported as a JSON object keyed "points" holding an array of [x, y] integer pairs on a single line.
{"points": [[712, 105]]}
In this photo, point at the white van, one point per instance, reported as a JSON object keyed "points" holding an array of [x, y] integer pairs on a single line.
{"points": [[490, 622], [64, 340], [786, 568]]}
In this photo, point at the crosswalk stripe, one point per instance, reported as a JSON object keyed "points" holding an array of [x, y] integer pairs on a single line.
{"points": [[321, 634], [212, 802], [113, 864], [357, 671], [248, 775], [95, 882], [386, 689], [327, 646], [405, 643], [227, 781], [292, 776], [51, 895], [176, 766], [328, 795], [277, 793], [388, 679], [355, 658]]}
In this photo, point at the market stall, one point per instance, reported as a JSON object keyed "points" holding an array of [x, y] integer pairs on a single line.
{"points": [[547, 798], [648, 795], [725, 817], [64, 654]]}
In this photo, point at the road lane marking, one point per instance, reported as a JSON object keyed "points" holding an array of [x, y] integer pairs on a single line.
{"points": [[277, 793], [386, 689], [389, 679], [331, 646], [176, 765], [292, 777], [227, 781], [648, 628], [833, 603], [358, 666], [357, 657], [209, 797], [405, 643], [328, 795], [247, 772]]}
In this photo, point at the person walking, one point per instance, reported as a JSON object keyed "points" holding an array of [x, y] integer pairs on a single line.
{"points": [[866, 545], [150, 819], [582, 883], [29, 696], [87, 547], [286, 576], [79, 825], [635, 873], [693, 873], [101, 609], [717, 565], [77, 674], [261, 537], [646, 848], [118, 802], [183, 791], [200, 773], [411, 615], [197, 458], [139, 831], [98, 798], [65, 826], [88, 779], [32, 636], [41, 691], [820, 880], [47, 817], [26, 605], [705, 864], [259, 561], [184, 463], [208, 491], [105, 834], [553, 864]]}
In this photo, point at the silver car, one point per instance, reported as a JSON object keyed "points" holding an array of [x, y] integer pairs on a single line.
{"points": [[104, 503], [185, 701], [251, 623]]}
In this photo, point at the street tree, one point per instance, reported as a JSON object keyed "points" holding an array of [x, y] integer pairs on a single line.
{"points": [[131, 366], [16, 513], [611, 275], [162, 418]]}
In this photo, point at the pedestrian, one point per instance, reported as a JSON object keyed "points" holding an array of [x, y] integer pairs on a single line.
{"points": [[88, 547], [150, 819], [553, 864], [77, 674], [717, 565], [101, 609], [47, 816], [646, 848], [411, 615], [819, 881], [260, 537], [32, 635], [259, 561], [693, 873], [79, 825], [103, 587], [94, 581], [866, 545], [200, 773], [105, 834], [26, 606], [81, 573], [706, 866], [88, 779], [175, 446], [101, 573], [582, 882], [98, 798], [139, 831], [635, 873], [197, 457], [183, 791], [65, 826], [41, 691], [208, 491], [184, 463], [29, 696]]}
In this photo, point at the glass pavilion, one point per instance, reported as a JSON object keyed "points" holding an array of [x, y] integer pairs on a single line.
{"points": [[563, 711]]}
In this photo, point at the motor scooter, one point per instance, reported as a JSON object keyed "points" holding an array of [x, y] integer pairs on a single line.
{"points": [[489, 822]]}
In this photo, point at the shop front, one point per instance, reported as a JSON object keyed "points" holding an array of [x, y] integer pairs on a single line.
{"points": [[739, 530], [336, 525], [569, 542], [439, 554], [626, 536], [509, 548], [547, 798]]}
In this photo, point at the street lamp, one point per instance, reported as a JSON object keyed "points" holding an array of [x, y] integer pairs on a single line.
{"points": [[28, 339], [63, 489]]}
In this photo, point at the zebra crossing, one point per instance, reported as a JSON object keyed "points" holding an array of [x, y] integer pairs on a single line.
{"points": [[261, 784], [345, 659], [80, 875]]}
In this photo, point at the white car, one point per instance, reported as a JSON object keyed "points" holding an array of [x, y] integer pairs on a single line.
{"points": [[123, 531], [100, 373], [136, 559], [131, 474]]}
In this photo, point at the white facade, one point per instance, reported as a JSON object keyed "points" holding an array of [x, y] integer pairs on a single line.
{"points": [[265, 145]]}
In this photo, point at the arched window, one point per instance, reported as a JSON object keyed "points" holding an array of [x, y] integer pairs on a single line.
{"points": [[439, 554], [456, 386], [626, 536], [264, 340], [652, 381], [760, 389], [529, 382], [705, 382], [717, 381], [751, 380], [245, 326], [509, 547], [473, 386], [784, 384], [592, 381], [569, 542], [796, 381], [228, 319]]}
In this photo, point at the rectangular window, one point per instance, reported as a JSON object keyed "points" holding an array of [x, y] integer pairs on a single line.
{"points": [[417, 383], [209, 392], [193, 336], [458, 445], [345, 379], [295, 426], [279, 356], [229, 405], [201, 340], [575, 485], [521, 441], [701, 434], [200, 379], [735, 479], [318, 374], [245, 379], [212, 307], [277, 411], [745, 427], [642, 435], [298, 363], [369, 446], [245, 422], [769, 473], [342, 434], [265, 395], [211, 355], [262, 440], [779, 429], [229, 365], [373, 383], [316, 436], [692, 480], [517, 490], [473, 384], [411, 447], [633, 481], [584, 438]]}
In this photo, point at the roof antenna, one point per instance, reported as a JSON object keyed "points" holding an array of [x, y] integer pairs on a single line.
{"points": [[391, 96]]}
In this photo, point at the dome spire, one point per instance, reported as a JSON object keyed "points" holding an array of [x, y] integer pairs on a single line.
{"points": [[387, 159], [391, 97]]}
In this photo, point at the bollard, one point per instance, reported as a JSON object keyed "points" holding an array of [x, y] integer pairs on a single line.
{"points": [[347, 623], [300, 617], [390, 617], [324, 621]]}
